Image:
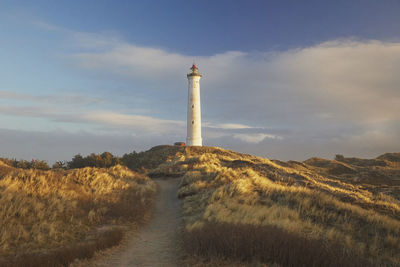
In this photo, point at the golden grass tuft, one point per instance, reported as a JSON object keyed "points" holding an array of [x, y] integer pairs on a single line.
{"points": [[306, 203], [52, 210]]}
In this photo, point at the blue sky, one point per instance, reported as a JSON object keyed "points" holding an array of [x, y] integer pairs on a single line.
{"points": [[282, 79]]}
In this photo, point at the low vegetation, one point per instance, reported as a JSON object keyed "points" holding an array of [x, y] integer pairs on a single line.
{"points": [[104, 160], [379, 175], [137, 161], [51, 217], [249, 208], [24, 164], [237, 208]]}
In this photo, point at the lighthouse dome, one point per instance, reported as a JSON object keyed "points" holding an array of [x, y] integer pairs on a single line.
{"points": [[195, 71]]}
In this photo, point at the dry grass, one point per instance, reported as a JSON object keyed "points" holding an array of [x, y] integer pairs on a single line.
{"points": [[237, 192], [63, 256], [266, 244], [50, 211], [343, 212], [150, 159]]}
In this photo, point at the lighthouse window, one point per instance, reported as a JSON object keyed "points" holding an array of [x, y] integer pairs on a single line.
{"points": [[192, 122], [192, 106]]}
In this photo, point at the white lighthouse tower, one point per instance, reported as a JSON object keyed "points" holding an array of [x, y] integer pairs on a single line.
{"points": [[194, 112]]}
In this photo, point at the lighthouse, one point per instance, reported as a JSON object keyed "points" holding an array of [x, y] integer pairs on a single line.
{"points": [[194, 111]]}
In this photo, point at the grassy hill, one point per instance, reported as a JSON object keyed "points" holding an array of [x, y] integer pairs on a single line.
{"points": [[236, 207], [313, 213], [51, 217]]}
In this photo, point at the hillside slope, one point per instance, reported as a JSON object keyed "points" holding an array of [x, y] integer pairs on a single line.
{"points": [[308, 213], [342, 212], [46, 217], [379, 175]]}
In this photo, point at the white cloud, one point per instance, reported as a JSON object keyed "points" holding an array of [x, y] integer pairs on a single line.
{"points": [[337, 90], [65, 99], [63, 145], [106, 119], [255, 138], [136, 61], [355, 80], [144, 123], [231, 126], [352, 80], [341, 91]]}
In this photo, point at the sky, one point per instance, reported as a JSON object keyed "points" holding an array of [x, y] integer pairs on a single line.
{"points": [[281, 79]]}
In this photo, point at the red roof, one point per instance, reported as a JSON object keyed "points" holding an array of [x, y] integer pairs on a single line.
{"points": [[194, 66]]}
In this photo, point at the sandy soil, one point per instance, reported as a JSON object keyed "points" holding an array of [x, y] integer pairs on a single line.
{"points": [[157, 243]]}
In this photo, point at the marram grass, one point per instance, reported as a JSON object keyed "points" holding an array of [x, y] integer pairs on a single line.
{"points": [[233, 201], [46, 210]]}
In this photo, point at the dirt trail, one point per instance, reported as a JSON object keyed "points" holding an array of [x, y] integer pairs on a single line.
{"points": [[157, 243]]}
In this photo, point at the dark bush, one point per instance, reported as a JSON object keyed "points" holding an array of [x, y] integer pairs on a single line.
{"points": [[151, 158], [40, 165], [24, 164], [339, 157], [104, 160], [60, 165]]}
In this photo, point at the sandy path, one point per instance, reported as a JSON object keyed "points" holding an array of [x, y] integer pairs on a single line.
{"points": [[157, 243]]}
